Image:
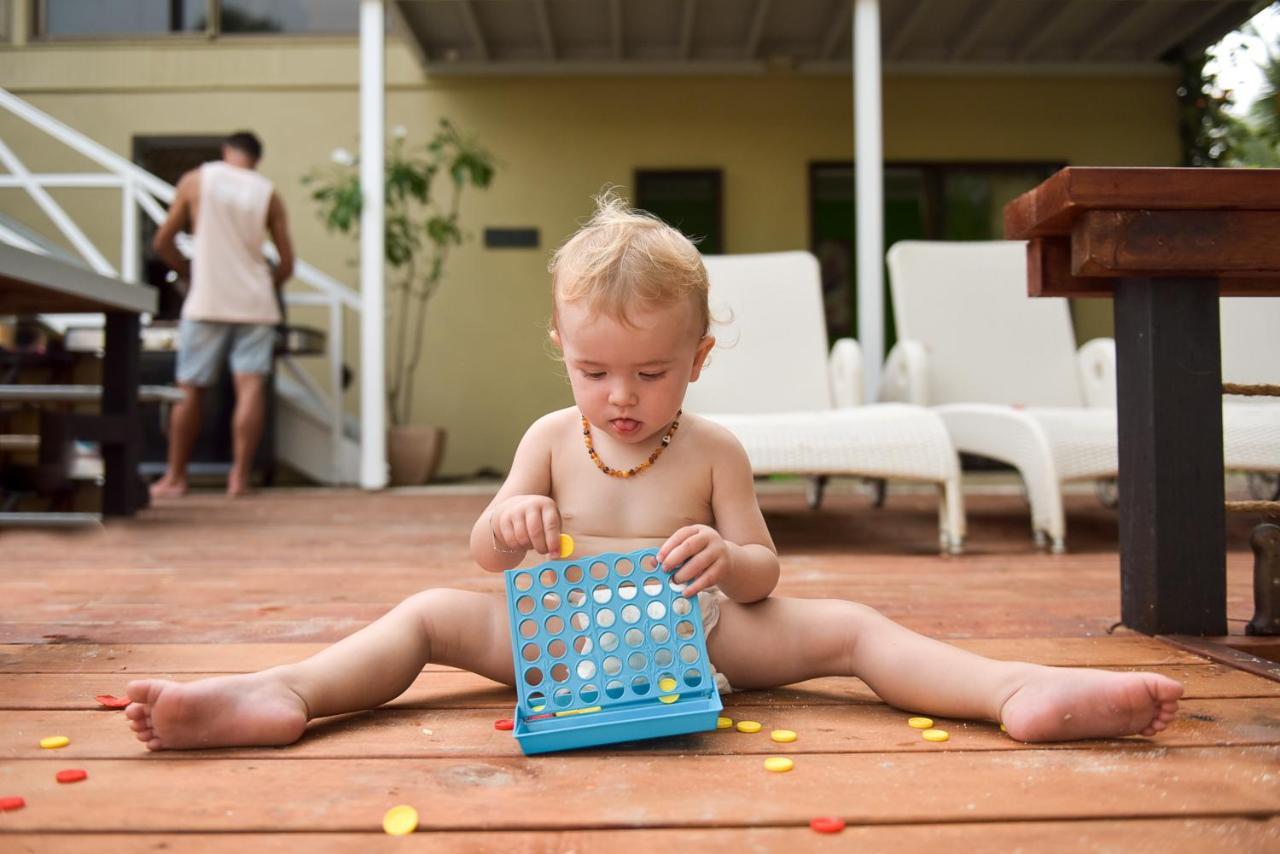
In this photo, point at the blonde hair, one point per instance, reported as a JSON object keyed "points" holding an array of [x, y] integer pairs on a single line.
{"points": [[624, 260]]}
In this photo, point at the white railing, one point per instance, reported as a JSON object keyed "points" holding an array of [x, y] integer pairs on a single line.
{"points": [[139, 189]]}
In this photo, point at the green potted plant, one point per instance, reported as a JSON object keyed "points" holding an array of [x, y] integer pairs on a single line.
{"points": [[424, 189]]}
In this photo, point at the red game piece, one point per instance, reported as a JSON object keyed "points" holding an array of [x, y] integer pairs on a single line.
{"points": [[827, 824], [112, 702], [71, 775], [12, 803], [504, 723]]}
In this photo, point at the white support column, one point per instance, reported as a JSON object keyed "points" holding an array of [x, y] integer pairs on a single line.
{"points": [[373, 411], [869, 181], [128, 234]]}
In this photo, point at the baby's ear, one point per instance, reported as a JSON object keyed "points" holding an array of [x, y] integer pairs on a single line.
{"points": [[554, 335], [700, 355]]}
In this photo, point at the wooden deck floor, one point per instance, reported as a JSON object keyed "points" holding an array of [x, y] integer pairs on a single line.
{"points": [[208, 586]]}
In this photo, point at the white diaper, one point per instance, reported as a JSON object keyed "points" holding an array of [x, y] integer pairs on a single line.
{"points": [[709, 605]]}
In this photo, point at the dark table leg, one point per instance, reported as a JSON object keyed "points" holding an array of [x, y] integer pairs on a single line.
{"points": [[121, 495], [1173, 577]]}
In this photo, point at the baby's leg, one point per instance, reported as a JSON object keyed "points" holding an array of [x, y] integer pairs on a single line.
{"points": [[364, 670], [780, 641]]}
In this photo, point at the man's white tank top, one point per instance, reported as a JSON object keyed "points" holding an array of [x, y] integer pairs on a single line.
{"points": [[230, 279]]}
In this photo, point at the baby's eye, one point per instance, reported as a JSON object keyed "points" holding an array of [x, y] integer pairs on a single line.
{"points": [[654, 376], [593, 375]]}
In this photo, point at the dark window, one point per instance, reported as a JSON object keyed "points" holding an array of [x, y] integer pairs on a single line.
{"points": [[121, 17], [290, 16], [922, 201], [114, 18], [689, 200]]}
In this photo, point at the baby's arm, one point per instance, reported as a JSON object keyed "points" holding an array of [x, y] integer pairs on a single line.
{"points": [[737, 554], [507, 528]]}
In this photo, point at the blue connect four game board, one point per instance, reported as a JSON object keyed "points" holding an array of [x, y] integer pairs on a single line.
{"points": [[606, 649]]}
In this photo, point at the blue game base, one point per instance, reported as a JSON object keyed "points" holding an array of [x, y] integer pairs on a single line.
{"points": [[606, 632], [611, 726]]}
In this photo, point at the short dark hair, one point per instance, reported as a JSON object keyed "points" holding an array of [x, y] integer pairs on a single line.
{"points": [[243, 140]]}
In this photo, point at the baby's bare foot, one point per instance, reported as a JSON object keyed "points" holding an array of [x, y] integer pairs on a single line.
{"points": [[223, 711], [1066, 703]]}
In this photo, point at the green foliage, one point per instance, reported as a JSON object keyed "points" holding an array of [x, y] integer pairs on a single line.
{"points": [[1212, 133], [424, 188]]}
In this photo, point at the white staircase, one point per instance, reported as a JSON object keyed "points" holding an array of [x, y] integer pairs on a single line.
{"points": [[314, 433]]}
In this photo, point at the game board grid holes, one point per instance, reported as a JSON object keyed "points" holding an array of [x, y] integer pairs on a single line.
{"points": [[578, 674]]}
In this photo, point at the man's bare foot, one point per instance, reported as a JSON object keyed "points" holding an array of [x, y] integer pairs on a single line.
{"points": [[1066, 703], [223, 711], [237, 484], [168, 487]]}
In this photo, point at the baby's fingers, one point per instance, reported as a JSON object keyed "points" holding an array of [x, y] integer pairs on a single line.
{"points": [[551, 529], [534, 528], [671, 553]]}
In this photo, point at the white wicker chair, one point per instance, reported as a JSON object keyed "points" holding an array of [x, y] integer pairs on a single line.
{"points": [[1001, 369], [1250, 329], [1016, 392], [797, 410]]}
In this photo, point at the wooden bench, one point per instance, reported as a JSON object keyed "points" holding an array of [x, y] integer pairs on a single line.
{"points": [[82, 394]]}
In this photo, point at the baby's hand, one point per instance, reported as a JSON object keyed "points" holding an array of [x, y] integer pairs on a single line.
{"points": [[703, 552], [526, 522]]}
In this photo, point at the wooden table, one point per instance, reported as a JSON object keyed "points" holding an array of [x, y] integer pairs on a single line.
{"points": [[1165, 244], [38, 284]]}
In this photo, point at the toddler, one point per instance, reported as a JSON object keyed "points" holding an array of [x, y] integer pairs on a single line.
{"points": [[626, 469]]}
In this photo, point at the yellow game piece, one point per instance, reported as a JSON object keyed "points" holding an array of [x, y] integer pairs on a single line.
{"points": [[1002, 729], [724, 723], [778, 763], [783, 736], [920, 723], [566, 545], [400, 821], [748, 726], [935, 735], [578, 711], [668, 684], [54, 741]]}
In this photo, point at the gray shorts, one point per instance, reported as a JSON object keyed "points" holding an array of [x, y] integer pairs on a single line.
{"points": [[203, 346]]}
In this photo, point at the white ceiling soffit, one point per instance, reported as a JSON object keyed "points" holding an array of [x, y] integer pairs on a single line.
{"points": [[753, 36]]}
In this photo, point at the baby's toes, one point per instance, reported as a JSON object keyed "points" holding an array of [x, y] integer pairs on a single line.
{"points": [[144, 735], [140, 725], [136, 711]]}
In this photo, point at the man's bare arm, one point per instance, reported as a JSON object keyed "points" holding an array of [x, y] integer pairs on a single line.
{"points": [[278, 225], [179, 219]]}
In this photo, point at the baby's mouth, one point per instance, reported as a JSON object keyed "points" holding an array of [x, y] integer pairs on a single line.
{"points": [[625, 426]]}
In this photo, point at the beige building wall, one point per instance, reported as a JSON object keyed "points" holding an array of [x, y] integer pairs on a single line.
{"points": [[487, 372]]}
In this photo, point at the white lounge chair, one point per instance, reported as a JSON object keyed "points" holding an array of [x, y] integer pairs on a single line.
{"points": [[797, 410], [1251, 355], [1003, 372]]}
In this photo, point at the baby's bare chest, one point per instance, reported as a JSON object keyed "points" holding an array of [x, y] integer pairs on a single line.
{"points": [[653, 504]]}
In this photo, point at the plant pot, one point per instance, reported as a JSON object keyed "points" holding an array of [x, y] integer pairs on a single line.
{"points": [[414, 452]]}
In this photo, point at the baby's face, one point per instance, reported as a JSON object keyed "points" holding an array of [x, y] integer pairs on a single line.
{"points": [[630, 380]]}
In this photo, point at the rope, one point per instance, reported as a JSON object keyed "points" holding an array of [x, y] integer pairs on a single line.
{"points": [[1268, 507], [1251, 389]]}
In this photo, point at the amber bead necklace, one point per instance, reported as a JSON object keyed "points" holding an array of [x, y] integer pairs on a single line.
{"points": [[632, 472]]}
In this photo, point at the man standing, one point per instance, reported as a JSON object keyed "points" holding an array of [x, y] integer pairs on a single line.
{"points": [[231, 305]]}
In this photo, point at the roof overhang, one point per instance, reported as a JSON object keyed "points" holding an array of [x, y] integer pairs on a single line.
{"points": [[635, 37]]}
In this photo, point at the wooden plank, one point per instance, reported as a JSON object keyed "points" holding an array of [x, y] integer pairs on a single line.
{"points": [[1112, 243], [1125, 649], [1049, 274], [454, 689], [1051, 208], [1134, 836], [563, 792], [848, 728]]}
